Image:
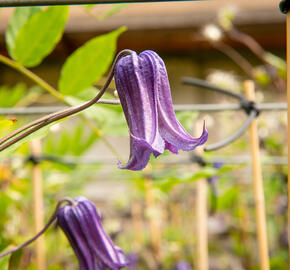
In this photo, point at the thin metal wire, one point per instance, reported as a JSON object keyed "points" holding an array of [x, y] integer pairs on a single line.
{"points": [[229, 107], [177, 107], [249, 107], [93, 160], [206, 85], [25, 3]]}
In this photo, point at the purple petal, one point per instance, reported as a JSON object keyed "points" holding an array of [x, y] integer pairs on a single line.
{"points": [[134, 79], [98, 240], [140, 152], [93, 247], [73, 232], [169, 127], [144, 92]]}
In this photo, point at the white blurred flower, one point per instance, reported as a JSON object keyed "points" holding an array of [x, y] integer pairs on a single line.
{"points": [[263, 132], [212, 32], [116, 94]]}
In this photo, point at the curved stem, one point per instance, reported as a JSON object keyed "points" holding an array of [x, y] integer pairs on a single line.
{"points": [[50, 221], [39, 123], [47, 117], [250, 42], [241, 61]]}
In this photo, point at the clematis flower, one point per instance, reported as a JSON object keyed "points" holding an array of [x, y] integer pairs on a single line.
{"points": [[93, 247], [182, 265], [144, 91]]}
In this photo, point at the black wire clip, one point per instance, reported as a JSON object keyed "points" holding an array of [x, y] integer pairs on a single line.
{"points": [[284, 6], [35, 160], [248, 106]]}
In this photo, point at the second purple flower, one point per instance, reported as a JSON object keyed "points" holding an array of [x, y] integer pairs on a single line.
{"points": [[144, 91]]}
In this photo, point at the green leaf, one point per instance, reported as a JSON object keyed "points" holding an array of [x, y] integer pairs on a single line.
{"points": [[9, 97], [4, 262], [70, 141], [15, 260], [277, 62], [261, 76], [39, 35], [89, 7], [88, 63], [4, 124], [19, 18]]}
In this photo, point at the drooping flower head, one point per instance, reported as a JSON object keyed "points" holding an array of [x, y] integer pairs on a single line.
{"points": [[144, 91], [93, 247]]}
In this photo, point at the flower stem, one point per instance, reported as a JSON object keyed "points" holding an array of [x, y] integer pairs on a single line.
{"points": [[37, 124], [50, 221]]}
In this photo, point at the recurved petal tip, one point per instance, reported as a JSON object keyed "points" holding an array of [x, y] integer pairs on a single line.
{"points": [[140, 152]]}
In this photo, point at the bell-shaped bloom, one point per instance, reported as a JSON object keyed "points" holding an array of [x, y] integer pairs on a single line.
{"points": [[182, 265], [93, 247], [144, 91]]}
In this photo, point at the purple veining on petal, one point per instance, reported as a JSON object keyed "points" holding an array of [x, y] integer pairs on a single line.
{"points": [[169, 127], [92, 246], [97, 238], [68, 224]]}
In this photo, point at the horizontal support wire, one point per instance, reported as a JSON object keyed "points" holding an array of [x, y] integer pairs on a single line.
{"points": [[177, 107], [25, 3], [92, 160]]}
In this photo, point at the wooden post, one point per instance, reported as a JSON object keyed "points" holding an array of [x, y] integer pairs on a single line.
{"points": [[258, 185], [288, 125], [201, 220], [38, 208], [176, 218], [137, 222], [154, 225], [201, 225]]}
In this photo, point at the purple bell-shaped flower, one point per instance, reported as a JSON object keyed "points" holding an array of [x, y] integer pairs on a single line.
{"points": [[144, 91], [92, 246]]}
